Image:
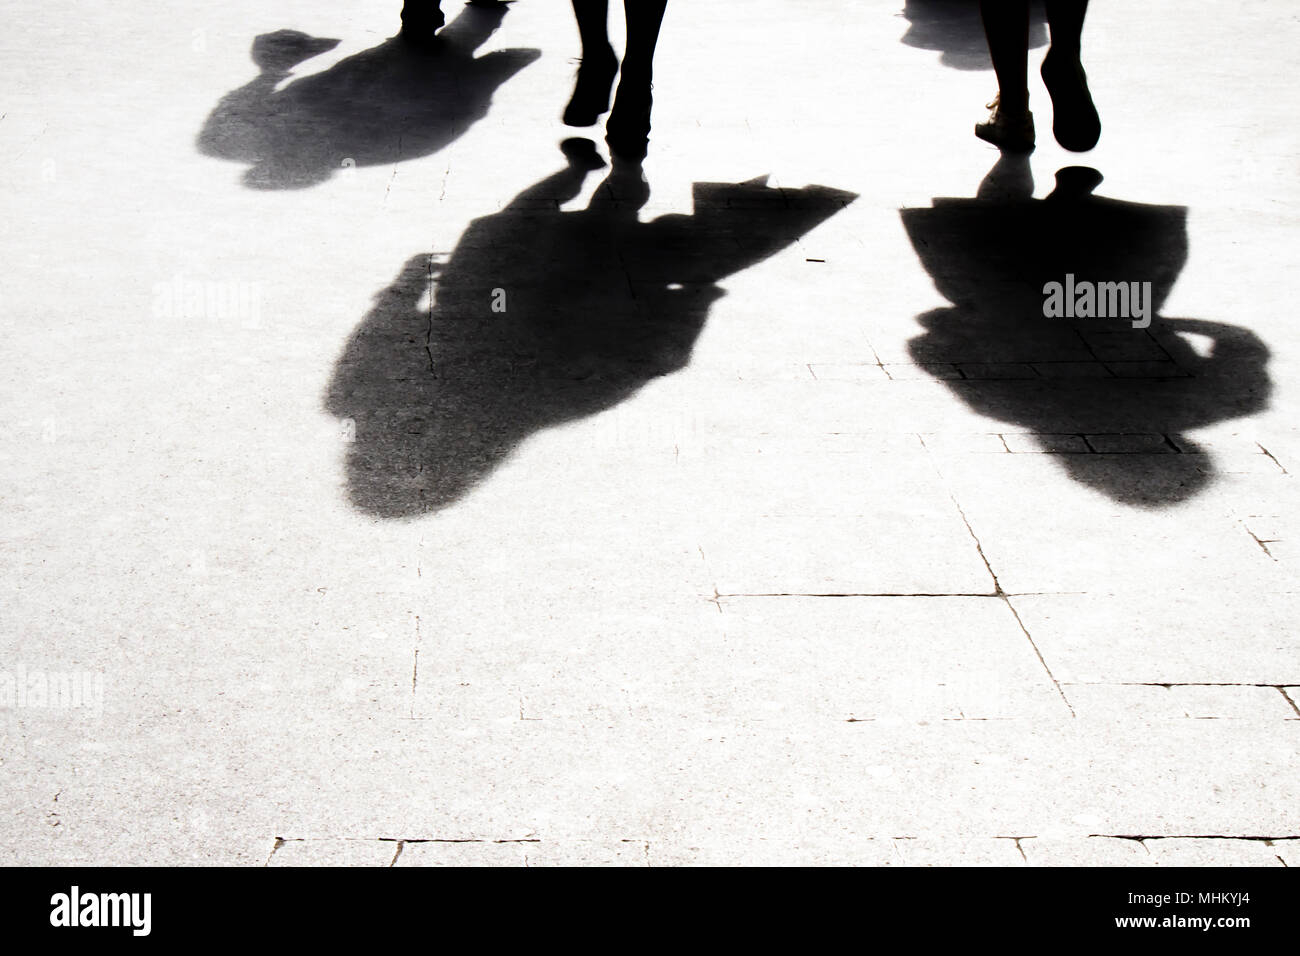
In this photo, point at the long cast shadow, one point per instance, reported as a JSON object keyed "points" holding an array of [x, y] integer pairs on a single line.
{"points": [[953, 27], [390, 103], [1083, 387], [594, 303]]}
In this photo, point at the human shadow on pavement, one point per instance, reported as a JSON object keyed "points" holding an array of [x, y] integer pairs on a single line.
{"points": [[539, 317], [394, 102], [1112, 399], [953, 27]]}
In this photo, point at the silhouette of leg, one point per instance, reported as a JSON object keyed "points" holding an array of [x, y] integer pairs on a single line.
{"points": [[421, 19], [1065, 17], [580, 158], [1075, 122], [474, 25], [1006, 26], [644, 18], [628, 129], [599, 64]]}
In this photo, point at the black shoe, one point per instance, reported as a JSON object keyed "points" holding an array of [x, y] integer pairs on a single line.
{"points": [[591, 91], [1075, 122], [628, 129], [1010, 132]]}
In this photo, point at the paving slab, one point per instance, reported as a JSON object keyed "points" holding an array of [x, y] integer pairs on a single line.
{"points": [[1194, 852], [331, 853], [1086, 851], [1178, 702], [1126, 637], [462, 853], [309, 557]]}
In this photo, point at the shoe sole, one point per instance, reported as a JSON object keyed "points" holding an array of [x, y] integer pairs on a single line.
{"points": [[987, 132]]}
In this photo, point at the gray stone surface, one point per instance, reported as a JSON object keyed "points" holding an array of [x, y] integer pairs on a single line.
{"points": [[1201, 852], [845, 564], [1086, 851]]}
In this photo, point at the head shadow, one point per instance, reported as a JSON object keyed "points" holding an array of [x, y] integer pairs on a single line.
{"points": [[391, 103], [954, 28], [1112, 400], [539, 317]]}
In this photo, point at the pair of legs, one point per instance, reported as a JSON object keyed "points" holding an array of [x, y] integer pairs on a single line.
{"points": [[1074, 118], [628, 129]]}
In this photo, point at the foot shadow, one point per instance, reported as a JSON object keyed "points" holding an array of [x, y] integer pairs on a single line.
{"points": [[593, 305], [390, 103], [954, 28], [1112, 401]]}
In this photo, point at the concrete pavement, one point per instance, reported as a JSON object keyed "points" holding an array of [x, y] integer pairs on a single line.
{"points": [[767, 522]]}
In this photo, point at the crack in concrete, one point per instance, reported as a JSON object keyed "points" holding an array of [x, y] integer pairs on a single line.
{"points": [[1000, 593], [415, 666], [1020, 849], [1039, 654], [1169, 684], [1263, 543], [1282, 690], [279, 842], [389, 188], [1272, 459], [864, 594], [405, 840], [645, 845], [895, 594], [1266, 840]]}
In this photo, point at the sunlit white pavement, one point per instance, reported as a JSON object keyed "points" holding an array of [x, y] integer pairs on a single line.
{"points": [[821, 594]]}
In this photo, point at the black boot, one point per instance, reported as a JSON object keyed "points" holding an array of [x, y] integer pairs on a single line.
{"points": [[591, 91], [628, 129]]}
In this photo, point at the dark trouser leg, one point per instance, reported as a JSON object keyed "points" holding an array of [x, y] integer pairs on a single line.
{"points": [[644, 18], [1066, 20], [593, 18], [599, 64], [1006, 26], [628, 130]]}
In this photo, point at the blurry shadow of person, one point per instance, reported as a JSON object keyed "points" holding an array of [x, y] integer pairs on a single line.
{"points": [[1010, 124], [540, 317], [628, 130], [954, 28], [995, 257], [381, 106], [422, 19]]}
